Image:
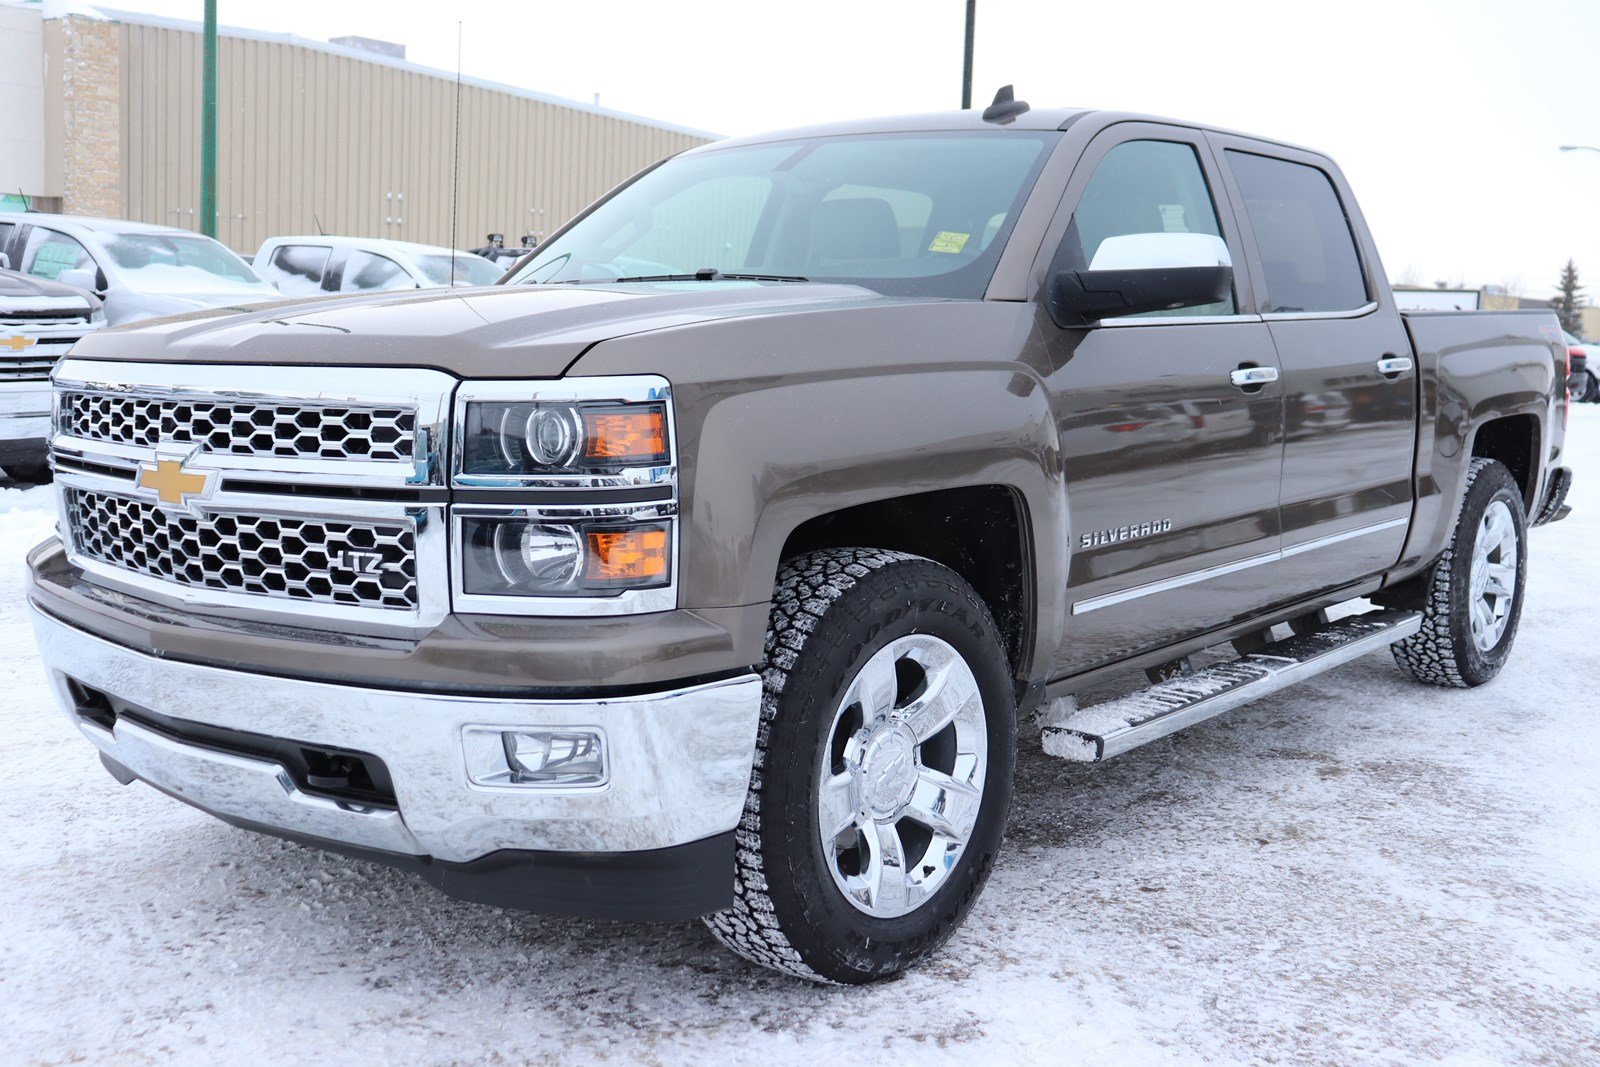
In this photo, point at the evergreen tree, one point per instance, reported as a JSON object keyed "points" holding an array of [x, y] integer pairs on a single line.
{"points": [[1566, 303]]}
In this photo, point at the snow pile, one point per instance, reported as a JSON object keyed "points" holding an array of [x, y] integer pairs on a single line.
{"points": [[1358, 869]]}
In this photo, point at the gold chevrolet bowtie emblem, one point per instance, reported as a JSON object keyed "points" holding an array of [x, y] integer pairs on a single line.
{"points": [[170, 481], [18, 343]]}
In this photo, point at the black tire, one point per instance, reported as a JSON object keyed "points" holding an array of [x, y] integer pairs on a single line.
{"points": [[1444, 651], [28, 473], [832, 610], [1590, 391]]}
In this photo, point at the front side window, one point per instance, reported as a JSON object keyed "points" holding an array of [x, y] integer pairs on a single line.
{"points": [[164, 261], [902, 214], [1138, 188], [49, 253], [1307, 251], [364, 271], [296, 269]]}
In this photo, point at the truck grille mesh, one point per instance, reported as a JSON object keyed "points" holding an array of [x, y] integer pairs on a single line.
{"points": [[288, 558], [242, 428]]}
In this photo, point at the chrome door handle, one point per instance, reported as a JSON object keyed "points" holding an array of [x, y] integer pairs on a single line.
{"points": [[1245, 377], [1392, 365]]}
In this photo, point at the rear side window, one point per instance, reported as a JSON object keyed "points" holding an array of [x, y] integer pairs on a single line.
{"points": [[1307, 251], [296, 269]]}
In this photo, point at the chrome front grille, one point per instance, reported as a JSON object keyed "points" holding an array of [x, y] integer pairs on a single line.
{"points": [[35, 366], [305, 495], [349, 563], [241, 427]]}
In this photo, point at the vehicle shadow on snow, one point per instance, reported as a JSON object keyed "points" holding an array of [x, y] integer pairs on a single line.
{"points": [[648, 972]]}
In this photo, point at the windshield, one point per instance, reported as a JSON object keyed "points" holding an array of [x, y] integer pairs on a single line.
{"points": [[168, 262], [903, 214], [469, 269]]}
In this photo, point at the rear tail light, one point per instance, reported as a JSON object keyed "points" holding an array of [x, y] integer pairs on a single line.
{"points": [[1566, 384]]}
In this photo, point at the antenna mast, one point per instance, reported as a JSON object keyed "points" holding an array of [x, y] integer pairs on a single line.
{"points": [[455, 163]]}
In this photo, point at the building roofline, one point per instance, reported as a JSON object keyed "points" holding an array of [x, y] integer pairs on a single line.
{"points": [[140, 18]]}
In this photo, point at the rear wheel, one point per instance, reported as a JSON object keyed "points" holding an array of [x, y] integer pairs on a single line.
{"points": [[883, 768], [1475, 593]]}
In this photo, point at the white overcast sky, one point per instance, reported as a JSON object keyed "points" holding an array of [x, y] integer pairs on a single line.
{"points": [[1446, 116]]}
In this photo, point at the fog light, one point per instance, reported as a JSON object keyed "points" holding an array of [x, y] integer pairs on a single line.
{"points": [[567, 757]]}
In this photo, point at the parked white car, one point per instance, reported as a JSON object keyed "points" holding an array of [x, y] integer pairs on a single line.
{"points": [[140, 271], [315, 265]]}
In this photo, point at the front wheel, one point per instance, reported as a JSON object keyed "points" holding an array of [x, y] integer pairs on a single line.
{"points": [[1588, 391], [883, 768], [1475, 592]]}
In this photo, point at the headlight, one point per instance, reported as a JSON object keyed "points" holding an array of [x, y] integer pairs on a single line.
{"points": [[516, 556], [552, 435], [564, 497]]}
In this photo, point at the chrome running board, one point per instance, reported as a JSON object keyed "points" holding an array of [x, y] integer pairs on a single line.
{"points": [[1104, 730]]}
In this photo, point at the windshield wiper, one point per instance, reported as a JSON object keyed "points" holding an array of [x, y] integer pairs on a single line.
{"points": [[712, 274]]}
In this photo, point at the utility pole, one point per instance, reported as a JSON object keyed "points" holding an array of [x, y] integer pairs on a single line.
{"points": [[208, 125], [966, 66]]}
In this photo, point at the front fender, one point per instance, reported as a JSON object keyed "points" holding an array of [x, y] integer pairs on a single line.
{"points": [[836, 409]]}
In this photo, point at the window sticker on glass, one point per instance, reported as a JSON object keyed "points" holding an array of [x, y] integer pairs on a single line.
{"points": [[1172, 218], [945, 241]]}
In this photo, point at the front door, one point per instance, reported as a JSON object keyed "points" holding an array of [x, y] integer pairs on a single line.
{"points": [[1171, 469]]}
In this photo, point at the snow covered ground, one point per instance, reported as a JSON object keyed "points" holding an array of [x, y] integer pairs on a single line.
{"points": [[1358, 870]]}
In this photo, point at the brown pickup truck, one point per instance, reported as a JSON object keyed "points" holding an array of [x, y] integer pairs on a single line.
{"points": [[706, 564]]}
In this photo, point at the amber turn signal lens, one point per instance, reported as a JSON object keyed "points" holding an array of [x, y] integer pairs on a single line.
{"points": [[637, 436], [635, 555]]}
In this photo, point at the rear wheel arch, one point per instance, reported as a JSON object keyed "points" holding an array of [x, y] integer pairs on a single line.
{"points": [[1513, 441]]}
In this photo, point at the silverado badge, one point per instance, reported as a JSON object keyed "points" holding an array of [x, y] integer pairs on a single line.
{"points": [[1129, 532]]}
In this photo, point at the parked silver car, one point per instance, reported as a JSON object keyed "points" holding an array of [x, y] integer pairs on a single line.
{"points": [[140, 271]]}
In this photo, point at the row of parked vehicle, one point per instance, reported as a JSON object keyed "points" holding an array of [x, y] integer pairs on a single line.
{"points": [[62, 276]]}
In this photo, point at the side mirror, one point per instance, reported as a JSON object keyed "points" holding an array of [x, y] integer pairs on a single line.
{"points": [[1139, 272], [5, 261], [79, 278]]}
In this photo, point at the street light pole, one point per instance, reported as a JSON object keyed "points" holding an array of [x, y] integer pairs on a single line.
{"points": [[208, 125], [966, 65]]}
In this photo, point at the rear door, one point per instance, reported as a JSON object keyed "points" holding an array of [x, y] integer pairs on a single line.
{"points": [[1349, 382], [1171, 470]]}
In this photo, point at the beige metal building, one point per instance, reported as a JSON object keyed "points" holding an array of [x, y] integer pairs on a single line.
{"points": [[107, 122]]}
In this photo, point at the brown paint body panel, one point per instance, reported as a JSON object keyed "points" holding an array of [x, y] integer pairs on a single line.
{"points": [[794, 401]]}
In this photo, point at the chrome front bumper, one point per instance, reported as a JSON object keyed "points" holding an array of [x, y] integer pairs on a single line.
{"points": [[679, 761]]}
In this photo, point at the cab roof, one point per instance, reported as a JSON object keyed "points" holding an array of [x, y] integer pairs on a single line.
{"points": [[1035, 119]]}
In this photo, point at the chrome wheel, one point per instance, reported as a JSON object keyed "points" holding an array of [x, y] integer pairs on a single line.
{"points": [[1494, 575], [902, 775]]}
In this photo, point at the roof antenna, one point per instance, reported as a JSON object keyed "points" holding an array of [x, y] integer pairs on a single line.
{"points": [[320, 231], [455, 163], [1005, 107], [27, 205]]}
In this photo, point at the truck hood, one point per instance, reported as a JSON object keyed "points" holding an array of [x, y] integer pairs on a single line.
{"points": [[492, 332]]}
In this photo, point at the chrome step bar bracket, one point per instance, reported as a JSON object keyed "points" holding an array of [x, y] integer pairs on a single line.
{"points": [[1104, 730]]}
